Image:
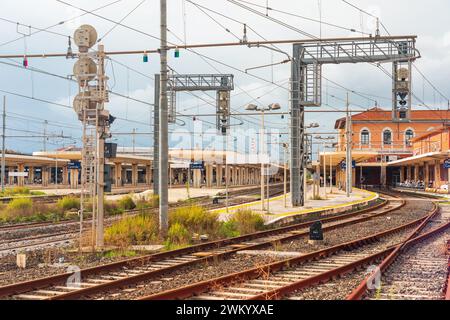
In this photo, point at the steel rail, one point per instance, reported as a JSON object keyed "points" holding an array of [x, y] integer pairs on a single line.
{"points": [[326, 276], [60, 279], [447, 293], [198, 288], [360, 291]]}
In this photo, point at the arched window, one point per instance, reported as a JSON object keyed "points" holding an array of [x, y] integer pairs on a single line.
{"points": [[365, 137], [409, 134], [387, 137]]}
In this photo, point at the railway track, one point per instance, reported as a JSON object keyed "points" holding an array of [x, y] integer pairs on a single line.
{"points": [[107, 277], [280, 279], [203, 201], [415, 270], [68, 237]]}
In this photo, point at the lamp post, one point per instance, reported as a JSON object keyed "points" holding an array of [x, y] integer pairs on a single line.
{"points": [[271, 107]]}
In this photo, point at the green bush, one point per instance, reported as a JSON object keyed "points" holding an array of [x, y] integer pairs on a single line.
{"points": [[16, 191], [151, 203], [17, 209], [69, 203], [229, 229], [178, 234], [132, 231], [127, 203], [196, 220], [245, 222], [20, 204], [112, 208]]}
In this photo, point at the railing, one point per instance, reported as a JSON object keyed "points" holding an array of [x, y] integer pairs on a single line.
{"points": [[394, 148], [428, 147]]}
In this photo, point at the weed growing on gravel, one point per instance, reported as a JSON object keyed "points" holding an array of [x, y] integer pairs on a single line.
{"points": [[69, 203], [178, 234], [127, 203], [129, 231], [151, 203], [196, 220]]}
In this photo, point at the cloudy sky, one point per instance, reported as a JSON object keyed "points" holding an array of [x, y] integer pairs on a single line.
{"points": [[189, 22]]}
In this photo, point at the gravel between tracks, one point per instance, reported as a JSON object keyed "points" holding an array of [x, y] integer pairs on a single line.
{"points": [[339, 289], [413, 210], [48, 262]]}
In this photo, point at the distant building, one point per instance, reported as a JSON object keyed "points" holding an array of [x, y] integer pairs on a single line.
{"points": [[381, 147]]}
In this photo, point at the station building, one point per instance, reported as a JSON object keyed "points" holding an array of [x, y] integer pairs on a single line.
{"points": [[388, 152], [136, 171]]}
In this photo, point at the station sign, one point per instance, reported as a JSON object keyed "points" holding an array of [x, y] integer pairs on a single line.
{"points": [[74, 165], [344, 165], [18, 174], [447, 164], [199, 165]]}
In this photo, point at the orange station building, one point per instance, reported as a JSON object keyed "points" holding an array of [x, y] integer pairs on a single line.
{"points": [[388, 152]]}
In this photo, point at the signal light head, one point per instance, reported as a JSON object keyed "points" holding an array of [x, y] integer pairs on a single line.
{"points": [[145, 58], [177, 53], [25, 62]]}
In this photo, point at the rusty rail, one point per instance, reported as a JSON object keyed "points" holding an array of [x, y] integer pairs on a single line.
{"points": [[360, 291], [198, 288], [447, 293]]}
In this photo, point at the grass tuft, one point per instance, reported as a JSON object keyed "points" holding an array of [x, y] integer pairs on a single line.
{"points": [[69, 203]]}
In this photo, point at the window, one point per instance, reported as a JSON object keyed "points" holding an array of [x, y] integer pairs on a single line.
{"points": [[387, 137], [409, 134], [365, 137]]}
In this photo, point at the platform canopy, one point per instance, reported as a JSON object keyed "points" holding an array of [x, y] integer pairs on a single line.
{"points": [[76, 156], [337, 157], [420, 159], [32, 161]]}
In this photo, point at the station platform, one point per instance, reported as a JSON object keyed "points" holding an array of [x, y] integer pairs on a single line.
{"points": [[438, 196], [278, 213]]}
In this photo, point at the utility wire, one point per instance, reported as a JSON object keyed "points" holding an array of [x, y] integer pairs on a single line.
{"points": [[122, 20], [47, 29], [321, 22]]}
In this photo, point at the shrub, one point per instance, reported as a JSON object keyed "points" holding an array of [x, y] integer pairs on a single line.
{"points": [[112, 208], [229, 229], [151, 203], [16, 191], [18, 208], [20, 204], [246, 221], [132, 231], [178, 234], [196, 220], [69, 203], [127, 203]]}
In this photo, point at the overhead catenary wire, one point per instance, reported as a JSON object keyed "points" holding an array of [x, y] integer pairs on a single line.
{"points": [[47, 29]]}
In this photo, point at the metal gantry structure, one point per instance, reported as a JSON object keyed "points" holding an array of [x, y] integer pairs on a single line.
{"points": [[306, 85], [223, 84]]}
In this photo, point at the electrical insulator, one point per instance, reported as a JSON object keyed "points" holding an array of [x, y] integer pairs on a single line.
{"points": [[69, 50]]}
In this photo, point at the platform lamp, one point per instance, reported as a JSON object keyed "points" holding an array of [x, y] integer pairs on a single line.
{"points": [[270, 107], [324, 140]]}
